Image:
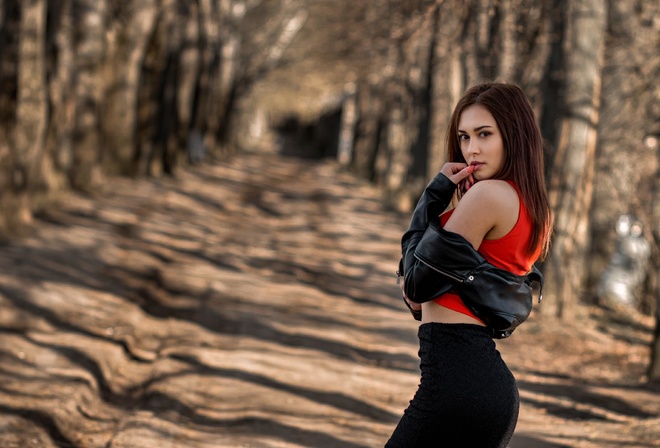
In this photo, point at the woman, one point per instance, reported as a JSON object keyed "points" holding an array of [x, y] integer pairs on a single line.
{"points": [[469, 270]]}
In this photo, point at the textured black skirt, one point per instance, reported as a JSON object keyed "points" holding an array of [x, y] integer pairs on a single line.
{"points": [[467, 396]]}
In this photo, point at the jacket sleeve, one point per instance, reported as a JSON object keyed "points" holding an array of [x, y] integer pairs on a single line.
{"points": [[434, 200]]}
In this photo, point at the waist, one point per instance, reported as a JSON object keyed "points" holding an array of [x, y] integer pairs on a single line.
{"points": [[432, 312]]}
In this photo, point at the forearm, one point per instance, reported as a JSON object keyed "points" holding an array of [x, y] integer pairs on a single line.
{"points": [[434, 200]]}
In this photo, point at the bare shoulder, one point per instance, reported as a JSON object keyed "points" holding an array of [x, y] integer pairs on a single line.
{"points": [[489, 209], [492, 192]]}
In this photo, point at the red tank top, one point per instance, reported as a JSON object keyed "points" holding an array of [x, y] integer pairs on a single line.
{"points": [[507, 252]]}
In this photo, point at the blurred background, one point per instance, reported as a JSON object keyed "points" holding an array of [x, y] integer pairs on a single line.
{"points": [[139, 101]]}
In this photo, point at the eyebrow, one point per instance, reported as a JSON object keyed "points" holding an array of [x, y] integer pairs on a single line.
{"points": [[477, 129]]}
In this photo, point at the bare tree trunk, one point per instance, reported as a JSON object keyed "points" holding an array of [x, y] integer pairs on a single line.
{"points": [[508, 11], [31, 104], [654, 364], [552, 83], [224, 87], [653, 371], [396, 139], [129, 36], [534, 43], [486, 52], [370, 109], [58, 157], [573, 174], [419, 58], [15, 209], [470, 63], [90, 24], [213, 89], [349, 118], [167, 135], [189, 71], [649, 63], [159, 138]]}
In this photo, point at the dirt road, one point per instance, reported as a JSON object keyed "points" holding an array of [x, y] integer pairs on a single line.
{"points": [[253, 304]]}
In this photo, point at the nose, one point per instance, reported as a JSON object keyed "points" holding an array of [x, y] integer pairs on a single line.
{"points": [[472, 146]]}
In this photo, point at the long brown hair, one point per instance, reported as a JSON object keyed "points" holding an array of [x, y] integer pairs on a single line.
{"points": [[523, 151]]}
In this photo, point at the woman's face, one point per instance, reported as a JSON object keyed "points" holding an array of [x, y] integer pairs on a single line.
{"points": [[481, 141]]}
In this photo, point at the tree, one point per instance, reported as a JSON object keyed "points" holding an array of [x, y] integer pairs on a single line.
{"points": [[89, 47], [654, 364], [572, 180], [130, 24], [31, 104], [13, 200]]}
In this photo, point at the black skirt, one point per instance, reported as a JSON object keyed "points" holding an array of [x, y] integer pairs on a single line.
{"points": [[467, 396]]}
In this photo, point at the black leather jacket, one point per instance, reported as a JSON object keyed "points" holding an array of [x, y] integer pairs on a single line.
{"points": [[435, 261]]}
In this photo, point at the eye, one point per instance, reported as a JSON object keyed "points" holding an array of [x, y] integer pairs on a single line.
{"points": [[484, 133], [463, 137]]}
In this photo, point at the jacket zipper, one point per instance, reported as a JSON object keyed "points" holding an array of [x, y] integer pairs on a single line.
{"points": [[441, 271]]}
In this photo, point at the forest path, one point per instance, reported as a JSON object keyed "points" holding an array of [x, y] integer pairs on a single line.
{"points": [[253, 304]]}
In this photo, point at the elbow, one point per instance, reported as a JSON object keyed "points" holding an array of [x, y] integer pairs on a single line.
{"points": [[422, 284]]}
